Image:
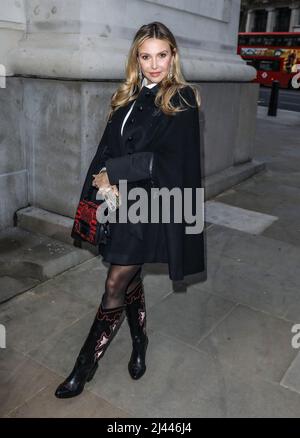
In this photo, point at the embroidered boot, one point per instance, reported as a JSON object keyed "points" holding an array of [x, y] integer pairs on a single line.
{"points": [[136, 317], [102, 331]]}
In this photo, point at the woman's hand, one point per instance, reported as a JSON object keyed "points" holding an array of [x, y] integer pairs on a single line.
{"points": [[101, 181]]}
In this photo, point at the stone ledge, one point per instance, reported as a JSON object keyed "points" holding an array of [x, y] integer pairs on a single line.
{"points": [[28, 258], [64, 63], [217, 183], [50, 224]]}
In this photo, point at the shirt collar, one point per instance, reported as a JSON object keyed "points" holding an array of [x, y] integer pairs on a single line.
{"points": [[152, 87]]}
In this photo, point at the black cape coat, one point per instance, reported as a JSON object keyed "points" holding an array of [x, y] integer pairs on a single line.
{"points": [[164, 149]]}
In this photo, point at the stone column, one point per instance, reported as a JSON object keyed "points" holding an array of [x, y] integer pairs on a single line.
{"points": [[271, 19], [250, 20], [71, 60], [295, 18], [12, 27], [13, 171]]}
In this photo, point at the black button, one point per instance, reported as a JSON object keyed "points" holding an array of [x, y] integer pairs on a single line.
{"points": [[130, 138], [132, 120], [141, 108], [148, 93]]}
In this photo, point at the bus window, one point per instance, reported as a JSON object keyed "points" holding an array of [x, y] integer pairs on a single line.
{"points": [[255, 40], [253, 62], [269, 65], [243, 40], [252, 40], [269, 40], [289, 42]]}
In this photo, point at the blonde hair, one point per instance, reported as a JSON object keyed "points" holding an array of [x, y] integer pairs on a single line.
{"points": [[132, 85]]}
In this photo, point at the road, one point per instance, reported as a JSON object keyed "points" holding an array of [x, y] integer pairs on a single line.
{"points": [[288, 99]]}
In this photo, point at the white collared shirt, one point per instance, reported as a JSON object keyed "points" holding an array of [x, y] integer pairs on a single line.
{"points": [[144, 83]]}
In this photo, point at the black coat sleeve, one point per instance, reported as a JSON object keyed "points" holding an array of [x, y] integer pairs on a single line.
{"points": [[103, 152], [132, 167], [101, 155]]}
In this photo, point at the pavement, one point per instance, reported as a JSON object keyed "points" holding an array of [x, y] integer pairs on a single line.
{"points": [[224, 348]]}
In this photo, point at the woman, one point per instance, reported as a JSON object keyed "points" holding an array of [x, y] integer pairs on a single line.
{"points": [[151, 140]]}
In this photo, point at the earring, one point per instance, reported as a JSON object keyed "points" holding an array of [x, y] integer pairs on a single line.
{"points": [[170, 74], [140, 74]]}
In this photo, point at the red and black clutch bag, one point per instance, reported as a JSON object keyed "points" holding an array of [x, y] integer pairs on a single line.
{"points": [[86, 226]]}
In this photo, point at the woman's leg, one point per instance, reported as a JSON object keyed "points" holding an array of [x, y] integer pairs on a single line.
{"points": [[136, 317], [119, 280], [106, 323], [135, 281]]}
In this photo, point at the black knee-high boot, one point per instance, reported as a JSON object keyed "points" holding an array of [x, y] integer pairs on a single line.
{"points": [[102, 331], [136, 317]]}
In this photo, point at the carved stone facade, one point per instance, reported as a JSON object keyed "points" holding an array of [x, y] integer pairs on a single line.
{"points": [[65, 58], [270, 16], [59, 39]]}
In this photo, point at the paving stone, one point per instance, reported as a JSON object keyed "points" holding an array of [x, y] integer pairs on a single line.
{"points": [[250, 201], [34, 316], [29, 257], [12, 286], [189, 317], [181, 381], [255, 250], [284, 230], [270, 189], [87, 405], [256, 343], [20, 379], [241, 219], [291, 378]]}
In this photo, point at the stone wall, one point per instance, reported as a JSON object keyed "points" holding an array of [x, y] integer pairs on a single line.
{"points": [[63, 64]]}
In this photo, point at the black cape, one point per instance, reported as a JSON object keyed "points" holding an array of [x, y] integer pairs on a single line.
{"points": [[166, 150]]}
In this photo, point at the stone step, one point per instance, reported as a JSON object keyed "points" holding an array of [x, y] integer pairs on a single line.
{"points": [[50, 224], [44, 222], [28, 258]]}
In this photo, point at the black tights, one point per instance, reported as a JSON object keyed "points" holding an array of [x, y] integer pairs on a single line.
{"points": [[120, 279]]}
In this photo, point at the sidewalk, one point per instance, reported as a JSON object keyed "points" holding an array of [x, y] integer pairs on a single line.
{"points": [[223, 349]]}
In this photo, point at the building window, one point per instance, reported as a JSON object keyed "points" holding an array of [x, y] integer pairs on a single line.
{"points": [[260, 20], [283, 20]]}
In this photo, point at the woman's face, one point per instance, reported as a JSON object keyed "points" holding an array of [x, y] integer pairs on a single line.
{"points": [[155, 56]]}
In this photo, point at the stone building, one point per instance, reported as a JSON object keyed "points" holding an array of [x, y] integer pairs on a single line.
{"points": [[64, 59], [270, 16]]}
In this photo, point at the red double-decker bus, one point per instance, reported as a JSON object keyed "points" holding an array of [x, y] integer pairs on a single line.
{"points": [[275, 55]]}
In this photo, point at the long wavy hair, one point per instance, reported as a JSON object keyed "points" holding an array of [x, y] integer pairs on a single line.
{"points": [[168, 87]]}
